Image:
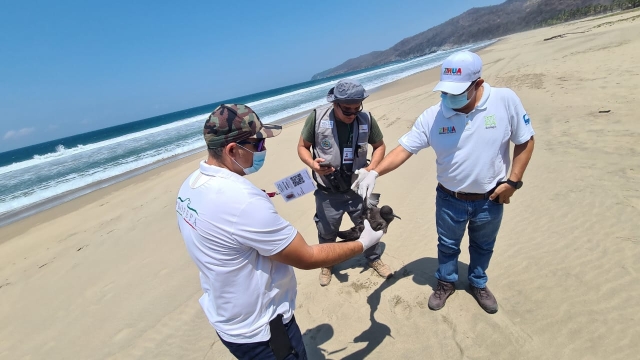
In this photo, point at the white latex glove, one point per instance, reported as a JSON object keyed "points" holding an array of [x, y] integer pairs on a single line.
{"points": [[367, 184], [368, 238], [362, 173]]}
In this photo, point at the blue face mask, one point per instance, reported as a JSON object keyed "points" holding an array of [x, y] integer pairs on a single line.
{"points": [[455, 101], [258, 161]]}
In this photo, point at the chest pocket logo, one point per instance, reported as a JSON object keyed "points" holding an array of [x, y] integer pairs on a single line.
{"points": [[490, 122], [326, 144]]}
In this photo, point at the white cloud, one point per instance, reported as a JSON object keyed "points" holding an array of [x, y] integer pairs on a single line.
{"points": [[18, 133]]}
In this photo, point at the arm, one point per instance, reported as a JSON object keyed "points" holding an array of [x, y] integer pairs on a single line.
{"points": [[302, 256], [377, 155], [521, 156], [393, 161], [304, 153]]}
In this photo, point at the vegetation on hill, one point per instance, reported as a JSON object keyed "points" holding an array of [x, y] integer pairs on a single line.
{"points": [[484, 23]]}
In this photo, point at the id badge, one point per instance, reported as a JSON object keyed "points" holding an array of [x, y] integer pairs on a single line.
{"points": [[347, 157]]}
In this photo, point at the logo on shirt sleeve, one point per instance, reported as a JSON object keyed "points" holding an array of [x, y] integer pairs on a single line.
{"points": [[526, 119]]}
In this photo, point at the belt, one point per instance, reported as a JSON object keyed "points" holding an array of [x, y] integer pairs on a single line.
{"points": [[466, 196], [330, 190]]}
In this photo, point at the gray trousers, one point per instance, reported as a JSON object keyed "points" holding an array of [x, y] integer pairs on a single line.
{"points": [[330, 207]]}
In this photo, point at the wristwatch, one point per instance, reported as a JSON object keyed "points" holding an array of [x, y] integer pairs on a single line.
{"points": [[515, 184]]}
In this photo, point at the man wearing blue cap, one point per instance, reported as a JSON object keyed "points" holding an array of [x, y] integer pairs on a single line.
{"points": [[470, 131], [334, 144]]}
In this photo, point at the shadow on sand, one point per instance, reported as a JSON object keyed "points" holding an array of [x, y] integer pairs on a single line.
{"points": [[421, 272]]}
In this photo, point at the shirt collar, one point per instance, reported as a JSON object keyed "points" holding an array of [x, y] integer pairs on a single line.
{"points": [[481, 105], [212, 170]]}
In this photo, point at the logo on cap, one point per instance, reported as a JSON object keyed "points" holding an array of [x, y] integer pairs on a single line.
{"points": [[453, 71]]}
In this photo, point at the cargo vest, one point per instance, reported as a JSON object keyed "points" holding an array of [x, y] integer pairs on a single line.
{"points": [[327, 146]]}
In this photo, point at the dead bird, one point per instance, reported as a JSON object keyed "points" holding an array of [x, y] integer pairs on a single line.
{"points": [[379, 219]]}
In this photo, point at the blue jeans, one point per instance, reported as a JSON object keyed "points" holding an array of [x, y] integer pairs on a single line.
{"points": [[261, 350], [483, 218]]}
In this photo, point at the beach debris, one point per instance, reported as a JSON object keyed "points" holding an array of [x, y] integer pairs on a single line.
{"points": [[604, 111], [564, 35], [378, 217]]}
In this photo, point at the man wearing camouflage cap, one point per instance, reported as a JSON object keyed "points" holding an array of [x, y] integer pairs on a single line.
{"points": [[243, 249], [334, 144]]}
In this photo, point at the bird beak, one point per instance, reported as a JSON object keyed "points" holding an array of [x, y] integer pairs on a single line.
{"points": [[396, 216]]}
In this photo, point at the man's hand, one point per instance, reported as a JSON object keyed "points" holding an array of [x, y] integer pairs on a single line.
{"points": [[362, 173], [368, 238], [503, 192], [315, 166], [366, 185]]}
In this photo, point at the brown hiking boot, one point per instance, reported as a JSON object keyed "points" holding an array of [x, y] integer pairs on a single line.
{"points": [[325, 276], [485, 299], [381, 268], [440, 294]]}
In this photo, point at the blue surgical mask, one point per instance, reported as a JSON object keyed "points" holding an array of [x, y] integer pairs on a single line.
{"points": [[258, 161], [455, 101]]}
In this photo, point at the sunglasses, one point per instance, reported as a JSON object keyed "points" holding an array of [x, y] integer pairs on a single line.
{"points": [[350, 112], [259, 145]]}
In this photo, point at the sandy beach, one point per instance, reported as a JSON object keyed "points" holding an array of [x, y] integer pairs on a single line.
{"points": [[107, 276]]}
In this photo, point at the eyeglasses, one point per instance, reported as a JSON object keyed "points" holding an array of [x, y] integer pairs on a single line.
{"points": [[259, 145], [350, 112]]}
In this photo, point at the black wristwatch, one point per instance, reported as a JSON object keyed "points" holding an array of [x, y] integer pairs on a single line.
{"points": [[515, 184]]}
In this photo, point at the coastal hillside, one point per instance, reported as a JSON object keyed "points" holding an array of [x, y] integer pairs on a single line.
{"points": [[484, 23]]}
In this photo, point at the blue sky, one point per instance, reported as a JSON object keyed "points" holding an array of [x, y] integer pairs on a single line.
{"points": [[68, 67]]}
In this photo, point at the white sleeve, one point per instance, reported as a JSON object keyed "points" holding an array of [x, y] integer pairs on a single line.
{"points": [[418, 137], [260, 227], [521, 129]]}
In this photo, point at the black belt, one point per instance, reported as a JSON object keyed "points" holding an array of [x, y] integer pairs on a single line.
{"points": [[330, 190], [466, 196]]}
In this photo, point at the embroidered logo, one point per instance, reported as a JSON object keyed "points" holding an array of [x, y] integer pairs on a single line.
{"points": [[326, 144], [490, 122], [526, 119], [189, 214], [447, 130], [453, 71]]}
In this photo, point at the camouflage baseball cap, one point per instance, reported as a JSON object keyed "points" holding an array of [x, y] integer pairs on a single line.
{"points": [[230, 123]]}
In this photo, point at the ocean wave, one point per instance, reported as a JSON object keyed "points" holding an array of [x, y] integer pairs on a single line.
{"points": [[183, 139], [80, 179]]}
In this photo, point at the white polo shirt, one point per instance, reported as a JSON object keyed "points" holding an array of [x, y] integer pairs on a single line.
{"points": [[230, 228], [472, 150]]}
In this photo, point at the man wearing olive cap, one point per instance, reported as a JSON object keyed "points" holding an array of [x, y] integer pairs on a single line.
{"points": [[334, 144], [243, 249]]}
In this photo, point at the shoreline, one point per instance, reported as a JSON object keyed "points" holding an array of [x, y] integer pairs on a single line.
{"points": [[25, 212], [11, 216]]}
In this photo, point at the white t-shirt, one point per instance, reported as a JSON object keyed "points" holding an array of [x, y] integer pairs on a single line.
{"points": [[230, 228], [472, 150]]}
